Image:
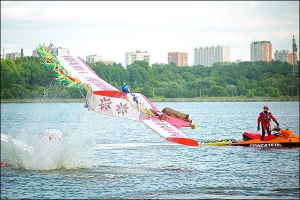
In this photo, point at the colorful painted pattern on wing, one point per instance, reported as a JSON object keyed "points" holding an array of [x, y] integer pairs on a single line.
{"points": [[105, 104], [63, 76]]}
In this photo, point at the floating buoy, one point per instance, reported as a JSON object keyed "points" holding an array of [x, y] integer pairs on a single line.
{"points": [[2, 164]]}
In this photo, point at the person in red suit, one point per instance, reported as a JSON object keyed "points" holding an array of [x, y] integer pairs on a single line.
{"points": [[264, 118]]}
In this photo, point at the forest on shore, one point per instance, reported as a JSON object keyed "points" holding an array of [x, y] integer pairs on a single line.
{"points": [[27, 78]]}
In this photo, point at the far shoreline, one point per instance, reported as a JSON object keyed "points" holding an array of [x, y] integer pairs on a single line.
{"points": [[196, 99]]}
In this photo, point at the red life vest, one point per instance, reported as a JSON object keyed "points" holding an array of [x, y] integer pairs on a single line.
{"points": [[265, 116]]}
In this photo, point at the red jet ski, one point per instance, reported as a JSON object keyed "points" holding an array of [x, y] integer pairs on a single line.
{"points": [[280, 138]]}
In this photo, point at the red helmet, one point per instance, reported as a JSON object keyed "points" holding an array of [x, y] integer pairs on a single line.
{"points": [[266, 106]]}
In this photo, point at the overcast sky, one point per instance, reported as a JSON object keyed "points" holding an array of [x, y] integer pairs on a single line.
{"points": [[112, 28]]}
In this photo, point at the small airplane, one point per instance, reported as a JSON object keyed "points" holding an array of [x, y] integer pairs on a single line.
{"points": [[104, 98]]}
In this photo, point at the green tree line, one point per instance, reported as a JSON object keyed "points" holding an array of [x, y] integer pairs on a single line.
{"points": [[27, 78]]}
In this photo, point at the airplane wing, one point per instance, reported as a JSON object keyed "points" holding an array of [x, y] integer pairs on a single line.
{"points": [[82, 71], [169, 132], [104, 98]]}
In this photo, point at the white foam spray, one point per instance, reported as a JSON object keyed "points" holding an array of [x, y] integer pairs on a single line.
{"points": [[74, 151]]}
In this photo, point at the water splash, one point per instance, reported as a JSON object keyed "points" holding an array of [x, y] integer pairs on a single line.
{"points": [[73, 152]]}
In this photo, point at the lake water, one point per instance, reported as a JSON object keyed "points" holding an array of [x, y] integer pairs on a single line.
{"points": [[106, 157]]}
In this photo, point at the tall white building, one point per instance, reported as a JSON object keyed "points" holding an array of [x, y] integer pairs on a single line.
{"points": [[261, 51], [207, 56], [93, 58], [130, 57], [58, 51]]}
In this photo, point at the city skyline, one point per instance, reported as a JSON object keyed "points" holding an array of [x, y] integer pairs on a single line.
{"points": [[110, 29]]}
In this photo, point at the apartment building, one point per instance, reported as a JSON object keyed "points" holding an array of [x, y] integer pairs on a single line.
{"points": [[285, 56], [130, 57], [181, 59], [207, 56], [13, 56], [261, 51], [93, 58], [58, 51]]}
